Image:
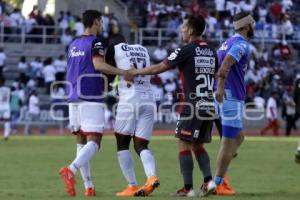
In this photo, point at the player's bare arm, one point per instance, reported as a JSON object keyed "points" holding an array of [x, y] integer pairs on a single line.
{"points": [[222, 75], [105, 68], [152, 70]]}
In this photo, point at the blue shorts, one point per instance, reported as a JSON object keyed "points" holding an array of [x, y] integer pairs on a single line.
{"points": [[231, 112]]}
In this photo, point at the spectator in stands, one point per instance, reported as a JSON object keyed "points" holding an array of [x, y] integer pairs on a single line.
{"points": [[286, 5], [172, 45], [113, 24], [289, 110], [3, 58], [158, 94], [275, 9], [66, 37], [220, 8], [36, 67], [49, 73], [159, 54], [34, 12], [24, 70], [287, 27], [16, 20], [15, 106], [272, 115], [234, 7], [172, 24], [60, 65], [262, 13], [211, 22], [62, 21], [79, 28], [22, 65], [49, 21], [285, 51], [33, 114]]}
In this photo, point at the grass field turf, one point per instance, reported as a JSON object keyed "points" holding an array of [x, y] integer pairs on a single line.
{"points": [[264, 168]]}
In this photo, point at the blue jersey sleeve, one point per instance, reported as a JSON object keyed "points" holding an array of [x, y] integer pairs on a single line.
{"points": [[238, 50]]}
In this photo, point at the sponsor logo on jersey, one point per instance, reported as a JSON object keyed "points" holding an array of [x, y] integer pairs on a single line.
{"points": [[204, 52], [184, 132], [126, 47], [196, 133], [202, 61], [76, 53]]}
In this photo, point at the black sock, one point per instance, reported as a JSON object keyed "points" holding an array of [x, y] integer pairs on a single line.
{"points": [[204, 163], [186, 168]]}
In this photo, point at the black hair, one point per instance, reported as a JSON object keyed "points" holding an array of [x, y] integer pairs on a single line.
{"points": [[48, 61], [89, 16], [116, 39], [2, 80], [197, 23]]}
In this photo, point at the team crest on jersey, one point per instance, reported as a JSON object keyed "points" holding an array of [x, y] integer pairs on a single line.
{"points": [[174, 55], [224, 47], [98, 44]]}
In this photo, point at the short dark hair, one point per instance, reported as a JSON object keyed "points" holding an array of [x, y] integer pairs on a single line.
{"points": [[197, 24], [89, 16], [240, 15], [116, 39]]}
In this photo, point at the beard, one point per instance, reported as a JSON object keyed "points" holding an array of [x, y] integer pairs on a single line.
{"points": [[250, 33]]}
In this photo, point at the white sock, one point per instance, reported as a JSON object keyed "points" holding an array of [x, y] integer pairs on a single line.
{"points": [[298, 149], [126, 165], [148, 162], [85, 154], [85, 171], [7, 129]]}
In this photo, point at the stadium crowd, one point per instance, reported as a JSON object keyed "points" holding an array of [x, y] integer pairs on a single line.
{"points": [[270, 69], [69, 25]]}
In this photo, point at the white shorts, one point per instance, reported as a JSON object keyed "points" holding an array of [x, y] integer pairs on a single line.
{"points": [[86, 117], [4, 114], [135, 119]]}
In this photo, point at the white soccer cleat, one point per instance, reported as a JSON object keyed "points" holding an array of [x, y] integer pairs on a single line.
{"points": [[211, 188]]}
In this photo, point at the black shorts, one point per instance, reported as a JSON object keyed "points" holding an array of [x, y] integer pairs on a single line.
{"points": [[194, 130]]}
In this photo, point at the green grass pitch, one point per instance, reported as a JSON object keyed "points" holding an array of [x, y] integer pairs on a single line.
{"points": [[264, 168]]}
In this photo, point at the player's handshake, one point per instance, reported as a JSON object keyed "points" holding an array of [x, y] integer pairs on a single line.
{"points": [[129, 75]]}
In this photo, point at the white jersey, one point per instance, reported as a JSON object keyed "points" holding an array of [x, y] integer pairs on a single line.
{"points": [[127, 56], [4, 98]]}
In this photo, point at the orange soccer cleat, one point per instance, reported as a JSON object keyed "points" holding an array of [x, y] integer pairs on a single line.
{"points": [[225, 189], [128, 192], [69, 180], [90, 192], [149, 187]]}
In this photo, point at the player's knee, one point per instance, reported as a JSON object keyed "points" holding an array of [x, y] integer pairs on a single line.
{"points": [[140, 145], [123, 141]]}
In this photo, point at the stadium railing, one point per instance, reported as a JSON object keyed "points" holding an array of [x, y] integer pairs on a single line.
{"points": [[267, 33], [30, 34]]}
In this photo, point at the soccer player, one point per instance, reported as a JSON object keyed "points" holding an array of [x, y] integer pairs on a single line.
{"points": [[5, 107], [233, 57], [197, 62], [84, 89], [135, 115]]}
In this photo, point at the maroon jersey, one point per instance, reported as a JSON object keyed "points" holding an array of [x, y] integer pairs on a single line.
{"points": [[197, 63]]}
